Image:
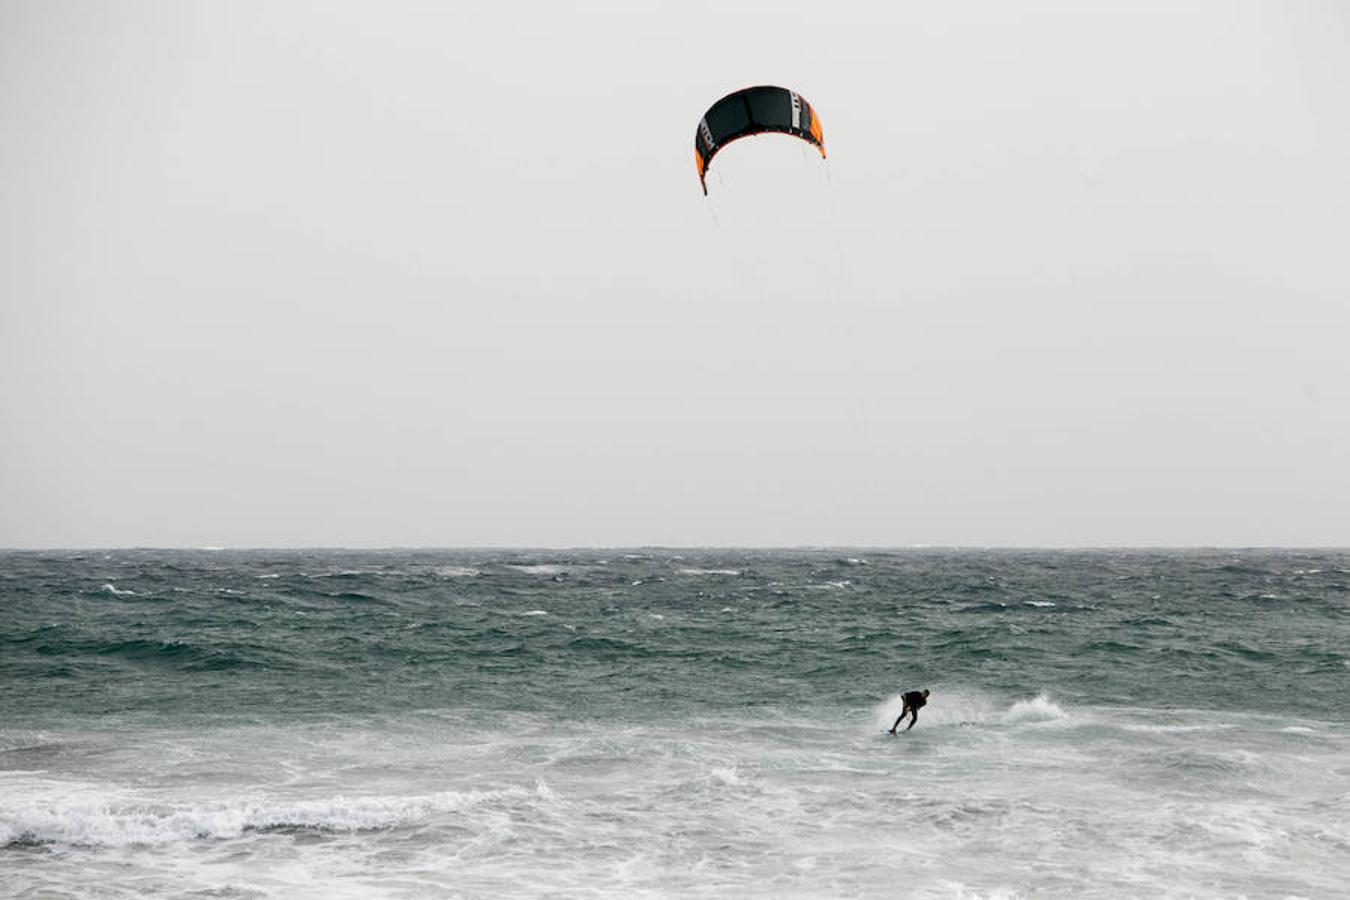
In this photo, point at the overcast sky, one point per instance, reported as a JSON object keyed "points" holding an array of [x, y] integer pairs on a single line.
{"points": [[441, 274]]}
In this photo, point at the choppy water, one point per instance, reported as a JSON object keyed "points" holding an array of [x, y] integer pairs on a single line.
{"points": [[692, 724]]}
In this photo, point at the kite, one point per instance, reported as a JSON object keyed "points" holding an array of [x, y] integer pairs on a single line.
{"points": [[753, 110]]}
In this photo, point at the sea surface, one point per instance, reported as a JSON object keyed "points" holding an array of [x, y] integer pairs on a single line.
{"points": [[662, 723]]}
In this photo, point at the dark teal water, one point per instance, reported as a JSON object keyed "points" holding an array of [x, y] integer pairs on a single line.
{"points": [[164, 636], [656, 723]]}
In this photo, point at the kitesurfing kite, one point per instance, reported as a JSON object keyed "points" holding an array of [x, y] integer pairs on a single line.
{"points": [[753, 110]]}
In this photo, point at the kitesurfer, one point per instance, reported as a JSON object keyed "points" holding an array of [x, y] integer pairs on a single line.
{"points": [[913, 700]]}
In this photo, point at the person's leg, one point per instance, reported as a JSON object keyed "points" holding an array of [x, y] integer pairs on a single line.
{"points": [[903, 712]]}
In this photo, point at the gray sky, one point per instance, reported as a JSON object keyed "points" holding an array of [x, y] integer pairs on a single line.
{"points": [[279, 274]]}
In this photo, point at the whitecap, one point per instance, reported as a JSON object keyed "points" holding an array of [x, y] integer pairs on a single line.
{"points": [[87, 820], [1041, 603], [117, 592], [538, 568], [707, 571], [1037, 709], [457, 572]]}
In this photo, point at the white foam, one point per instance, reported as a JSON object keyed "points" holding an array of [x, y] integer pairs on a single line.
{"points": [[84, 818], [1037, 709], [535, 612], [956, 890], [731, 572], [538, 568], [1173, 729], [117, 592], [978, 798], [1042, 603], [457, 572]]}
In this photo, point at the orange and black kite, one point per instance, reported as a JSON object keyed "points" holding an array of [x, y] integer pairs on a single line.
{"points": [[753, 110]]}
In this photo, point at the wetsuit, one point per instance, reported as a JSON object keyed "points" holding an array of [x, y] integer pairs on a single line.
{"points": [[913, 700]]}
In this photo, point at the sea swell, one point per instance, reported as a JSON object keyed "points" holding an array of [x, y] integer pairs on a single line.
{"points": [[314, 633]]}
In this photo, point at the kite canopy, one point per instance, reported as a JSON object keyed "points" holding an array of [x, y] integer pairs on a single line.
{"points": [[753, 110]]}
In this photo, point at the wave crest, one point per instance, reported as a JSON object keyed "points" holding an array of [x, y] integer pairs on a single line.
{"points": [[1037, 709], [88, 821]]}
